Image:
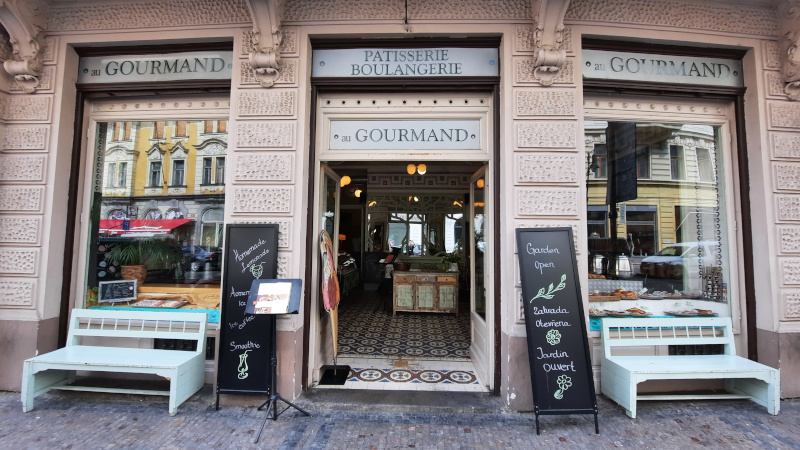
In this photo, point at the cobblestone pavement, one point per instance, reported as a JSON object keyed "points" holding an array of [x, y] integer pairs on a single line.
{"points": [[94, 421]]}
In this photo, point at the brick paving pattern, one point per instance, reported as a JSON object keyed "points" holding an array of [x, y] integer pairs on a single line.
{"points": [[94, 421]]}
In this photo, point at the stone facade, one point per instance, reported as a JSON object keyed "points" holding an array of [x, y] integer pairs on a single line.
{"points": [[542, 179]]}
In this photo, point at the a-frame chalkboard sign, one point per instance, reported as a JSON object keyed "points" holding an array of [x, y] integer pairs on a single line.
{"points": [[251, 253], [558, 347]]}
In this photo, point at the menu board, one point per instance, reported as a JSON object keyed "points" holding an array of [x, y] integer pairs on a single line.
{"points": [[116, 291], [251, 253], [558, 348]]}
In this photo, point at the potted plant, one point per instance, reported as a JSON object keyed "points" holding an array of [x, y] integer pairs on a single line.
{"points": [[451, 260], [135, 255]]}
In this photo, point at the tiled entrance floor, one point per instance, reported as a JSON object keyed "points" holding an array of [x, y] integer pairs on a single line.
{"points": [[404, 375]]}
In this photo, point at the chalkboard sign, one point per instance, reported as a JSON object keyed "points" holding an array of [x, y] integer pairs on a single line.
{"points": [[558, 349], [251, 253], [116, 291]]}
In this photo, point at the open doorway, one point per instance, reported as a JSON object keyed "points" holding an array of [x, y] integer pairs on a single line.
{"points": [[411, 250]]}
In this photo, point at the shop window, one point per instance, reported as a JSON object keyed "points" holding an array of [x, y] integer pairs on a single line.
{"points": [[661, 233], [179, 173], [178, 237], [677, 164]]}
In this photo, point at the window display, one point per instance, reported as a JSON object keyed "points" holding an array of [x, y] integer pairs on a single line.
{"points": [[154, 219], [657, 222]]}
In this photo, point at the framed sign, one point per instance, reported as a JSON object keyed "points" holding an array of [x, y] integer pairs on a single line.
{"points": [[555, 325], [281, 296], [116, 291], [251, 253]]}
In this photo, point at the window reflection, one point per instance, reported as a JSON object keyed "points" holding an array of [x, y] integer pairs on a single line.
{"points": [[158, 199], [656, 218]]}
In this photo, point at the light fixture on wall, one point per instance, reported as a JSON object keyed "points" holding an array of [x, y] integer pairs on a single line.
{"points": [[358, 193], [345, 181], [342, 237], [420, 169], [481, 183]]}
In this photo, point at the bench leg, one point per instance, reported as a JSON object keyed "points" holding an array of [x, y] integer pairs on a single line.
{"points": [[35, 384]]}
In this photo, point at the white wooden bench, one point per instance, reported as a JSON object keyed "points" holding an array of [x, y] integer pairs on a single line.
{"points": [[620, 375], [183, 369]]}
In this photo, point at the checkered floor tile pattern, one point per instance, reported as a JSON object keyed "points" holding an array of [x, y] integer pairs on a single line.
{"points": [[367, 329], [403, 375]]}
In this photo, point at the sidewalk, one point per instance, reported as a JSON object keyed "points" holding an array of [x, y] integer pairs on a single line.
{"points": [[384, 420]]}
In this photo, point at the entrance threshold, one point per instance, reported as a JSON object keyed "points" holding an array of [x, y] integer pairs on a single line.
{"points": [[396, 374]]}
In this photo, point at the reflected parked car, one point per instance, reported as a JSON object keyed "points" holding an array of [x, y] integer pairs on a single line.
{"points": [[681, 261], [195, 257]]}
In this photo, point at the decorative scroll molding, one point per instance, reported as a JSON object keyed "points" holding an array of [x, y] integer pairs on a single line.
{"points": [[548, 36], [24, 22], [265, 59], [789, 22]]}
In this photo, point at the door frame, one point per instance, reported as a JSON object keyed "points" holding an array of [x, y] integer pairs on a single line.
{"points": [[321, 86]]}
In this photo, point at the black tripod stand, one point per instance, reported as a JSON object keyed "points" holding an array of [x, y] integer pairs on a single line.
{"points": [[272, 403]]}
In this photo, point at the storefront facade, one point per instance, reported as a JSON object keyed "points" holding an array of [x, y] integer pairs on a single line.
{"points": [[715, 163]]}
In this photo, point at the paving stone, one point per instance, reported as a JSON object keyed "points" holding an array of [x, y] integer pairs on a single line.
{"points": [[94, 421]]}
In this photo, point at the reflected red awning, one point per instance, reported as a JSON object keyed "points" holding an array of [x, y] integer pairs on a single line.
{"points": [[157, 226]]}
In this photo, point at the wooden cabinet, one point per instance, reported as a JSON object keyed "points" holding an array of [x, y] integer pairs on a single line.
{"points": [[429, 291]]}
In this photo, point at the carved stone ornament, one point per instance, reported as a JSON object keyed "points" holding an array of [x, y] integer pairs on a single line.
{"points": [[548, 35], [789, 14], [23, 20], [267, 36]]}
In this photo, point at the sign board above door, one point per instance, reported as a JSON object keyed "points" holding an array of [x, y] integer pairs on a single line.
{"points": [[406, 62], [430, 134], [627, 66], [210, 65]]}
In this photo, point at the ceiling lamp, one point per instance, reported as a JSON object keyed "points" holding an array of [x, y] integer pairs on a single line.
{"points": [[345, 181], [457, 203], [411, 169], [358, 193], [421, 169], [481, 183], [416, 199], [373, 203]]}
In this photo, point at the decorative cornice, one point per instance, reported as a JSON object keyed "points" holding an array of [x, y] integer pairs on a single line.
{"points": [[24, 20], [548, 35], [789, 17], [267, 36]]}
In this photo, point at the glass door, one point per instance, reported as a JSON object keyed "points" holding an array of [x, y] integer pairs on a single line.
{"points": [[480, 313]]}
